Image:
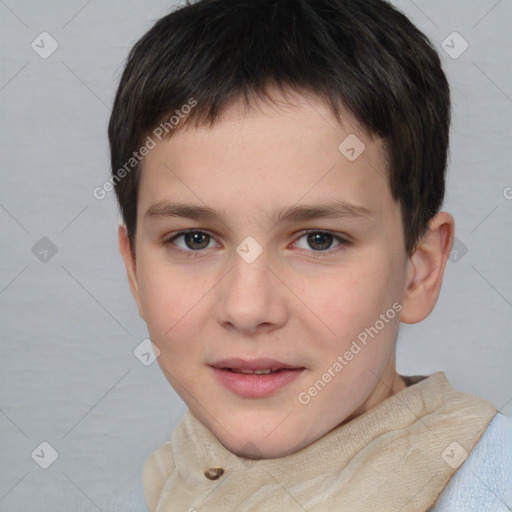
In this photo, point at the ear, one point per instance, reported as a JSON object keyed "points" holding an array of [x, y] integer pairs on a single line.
{"points": [[425, 269], [129, 263]]}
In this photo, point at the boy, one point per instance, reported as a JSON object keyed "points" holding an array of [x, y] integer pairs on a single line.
{"points": [[280, 168]]}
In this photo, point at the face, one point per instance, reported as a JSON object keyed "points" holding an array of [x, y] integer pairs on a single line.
{"points": [[261, 245]]}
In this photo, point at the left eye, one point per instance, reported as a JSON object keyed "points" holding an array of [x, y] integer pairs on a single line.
{"points": [[320, 240]]}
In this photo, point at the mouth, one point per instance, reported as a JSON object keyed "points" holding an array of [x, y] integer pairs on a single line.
{"points": [[261, 366], [267, 371], [255, 378]]}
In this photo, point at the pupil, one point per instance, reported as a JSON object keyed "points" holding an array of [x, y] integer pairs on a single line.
{"points": [[319, 238], [196, 238]]}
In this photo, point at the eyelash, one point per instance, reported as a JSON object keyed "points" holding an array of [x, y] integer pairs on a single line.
{"points": [[343, 243]]}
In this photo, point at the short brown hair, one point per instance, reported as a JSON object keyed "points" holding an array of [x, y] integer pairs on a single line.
{"points": [[361, 55]]}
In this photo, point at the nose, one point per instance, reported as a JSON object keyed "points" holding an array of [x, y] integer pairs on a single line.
{"points": [[252, 299]]}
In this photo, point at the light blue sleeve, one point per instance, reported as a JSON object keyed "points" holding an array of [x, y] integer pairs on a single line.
{"points": [[484, 482]]}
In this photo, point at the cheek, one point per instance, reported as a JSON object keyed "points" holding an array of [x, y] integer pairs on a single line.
{"points": [[172, 324], [174, 310], [345, 292], [164, 300], [352, 299]]}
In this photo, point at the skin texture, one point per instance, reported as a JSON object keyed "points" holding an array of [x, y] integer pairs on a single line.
{"points": [[298, 302]]}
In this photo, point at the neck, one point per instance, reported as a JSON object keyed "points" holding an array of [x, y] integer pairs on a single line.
{"points": [[389, 384]]}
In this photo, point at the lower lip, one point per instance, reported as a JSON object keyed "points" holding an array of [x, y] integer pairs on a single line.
{"points": [[254, 385]]}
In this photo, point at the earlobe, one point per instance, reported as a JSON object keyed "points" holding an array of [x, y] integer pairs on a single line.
{"points": [[130, 264], [426, 269]]}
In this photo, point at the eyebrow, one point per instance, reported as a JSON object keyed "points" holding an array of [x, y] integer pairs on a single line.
{"points": [[332, 210]]}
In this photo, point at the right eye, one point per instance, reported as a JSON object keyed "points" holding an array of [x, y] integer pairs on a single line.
{"points": [[191, 241]]}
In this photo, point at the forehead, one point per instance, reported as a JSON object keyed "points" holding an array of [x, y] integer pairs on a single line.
{"points": [[271, 155]]}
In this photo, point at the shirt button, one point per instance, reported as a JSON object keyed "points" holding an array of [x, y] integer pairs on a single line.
{"points": [[214, 473]]}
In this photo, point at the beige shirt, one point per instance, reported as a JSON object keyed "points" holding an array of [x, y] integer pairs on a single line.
{"points": [[398, 456]]}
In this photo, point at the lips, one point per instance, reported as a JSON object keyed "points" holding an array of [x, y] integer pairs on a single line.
{"points": [[256, 378]]}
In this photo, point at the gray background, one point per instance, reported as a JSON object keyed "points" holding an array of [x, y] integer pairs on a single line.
{"points": [[68, 322]]}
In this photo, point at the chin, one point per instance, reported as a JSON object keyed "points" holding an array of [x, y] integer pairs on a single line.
{"points": [[258, 451], [257, 446]]}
